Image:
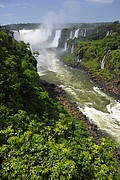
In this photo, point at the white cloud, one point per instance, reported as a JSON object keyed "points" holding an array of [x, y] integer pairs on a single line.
{"points": [[22, 5], [2, 5], [8, 15], [71, 2], [102, 1], [19, 5]]}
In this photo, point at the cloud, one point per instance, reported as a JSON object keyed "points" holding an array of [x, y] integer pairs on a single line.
{"points": [[2, 5], [69, 12], [22, 5], [102, 1], [19, 5], [8, 15], [71, 2], [50, 18]]}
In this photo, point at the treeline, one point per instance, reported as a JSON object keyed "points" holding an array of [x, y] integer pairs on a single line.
{"points": [[38, 138], [20, 26], [105, 30]]}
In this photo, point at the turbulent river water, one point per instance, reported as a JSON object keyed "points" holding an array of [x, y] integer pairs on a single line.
{"points": [[100, 108]]}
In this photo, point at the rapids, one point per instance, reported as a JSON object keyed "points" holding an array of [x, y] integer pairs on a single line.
{"points": [[100, 108]]}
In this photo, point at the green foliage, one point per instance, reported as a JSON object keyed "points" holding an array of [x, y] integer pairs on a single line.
{"points": [[91, 54], [69, 59], [36, 53], [38, 138]]}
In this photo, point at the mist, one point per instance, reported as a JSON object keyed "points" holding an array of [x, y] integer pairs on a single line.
{"points": [[69, 13]]}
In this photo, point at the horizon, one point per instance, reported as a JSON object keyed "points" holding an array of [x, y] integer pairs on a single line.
{"points": [[104, 22]]}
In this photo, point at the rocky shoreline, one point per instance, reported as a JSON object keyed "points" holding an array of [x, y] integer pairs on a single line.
{"points": [[58, 94], [105, 85]]}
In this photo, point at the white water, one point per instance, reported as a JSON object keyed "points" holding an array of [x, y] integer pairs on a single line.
{"points": [[76, 34], [100, 108], [56, 38], [85, 33], [103, 63], [107, 34], [72, 49], [66, 47], [34, 37]]}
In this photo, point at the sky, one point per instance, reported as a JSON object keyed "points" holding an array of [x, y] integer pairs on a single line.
{"points": [[58, 11]]}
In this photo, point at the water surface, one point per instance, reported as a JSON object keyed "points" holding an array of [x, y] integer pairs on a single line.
{"points": [[100, 108]]}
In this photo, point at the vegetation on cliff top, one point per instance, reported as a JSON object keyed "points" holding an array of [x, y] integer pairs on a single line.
{"points": [[38, 138], [90, 53]]}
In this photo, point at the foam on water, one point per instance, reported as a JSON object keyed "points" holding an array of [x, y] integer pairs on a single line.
{"points": [[100, 108], [89, 99], [101, 93], [34, 37], [70, 89], [104, 121]]}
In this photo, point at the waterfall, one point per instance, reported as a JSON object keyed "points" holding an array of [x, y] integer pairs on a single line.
{"points": [[66, 47], [71, 35], [29, 48], [107, 34], [85, 33], [17, 35], [40, 36], [110, 32], [34, 37], [55, 42], [103, 63], [76, 34], [72, 49]]}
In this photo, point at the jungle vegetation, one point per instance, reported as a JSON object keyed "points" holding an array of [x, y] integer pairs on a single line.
{"points": [[38, 138], [90, 52]]}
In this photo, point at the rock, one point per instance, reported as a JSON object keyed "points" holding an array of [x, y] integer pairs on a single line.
{"points": [[58, 94]]}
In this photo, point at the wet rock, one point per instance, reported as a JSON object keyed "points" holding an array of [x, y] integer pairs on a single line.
{"points": [[58, 94]]}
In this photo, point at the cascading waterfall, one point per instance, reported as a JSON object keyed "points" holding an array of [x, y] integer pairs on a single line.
{"points": [[66, 47], [76, 34], [17, 35], [29, 48], [100, 108], [107, 34], [72, 49], [85, 33], [34, 37], [56, 38], [103, 63], [39, 36]]}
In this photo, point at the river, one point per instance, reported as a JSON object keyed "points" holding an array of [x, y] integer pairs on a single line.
{"points": [[99, 107]]}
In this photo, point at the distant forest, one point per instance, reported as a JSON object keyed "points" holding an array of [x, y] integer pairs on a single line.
{"points": [[20, 26]]}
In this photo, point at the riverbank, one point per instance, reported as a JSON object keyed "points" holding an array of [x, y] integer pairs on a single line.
{"points": [[59, 95], [105, 85]]}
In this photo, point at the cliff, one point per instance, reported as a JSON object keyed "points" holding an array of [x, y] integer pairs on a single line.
{"points": [[100, 58]]}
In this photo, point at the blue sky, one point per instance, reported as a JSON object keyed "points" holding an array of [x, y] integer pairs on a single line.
{"points": [[58, 11]]}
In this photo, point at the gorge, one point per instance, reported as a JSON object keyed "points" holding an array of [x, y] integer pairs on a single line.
{"points": [[55, 121], [99, 107]]}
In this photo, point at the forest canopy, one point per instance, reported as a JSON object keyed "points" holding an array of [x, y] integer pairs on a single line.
{"points": [[38, 138]]}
